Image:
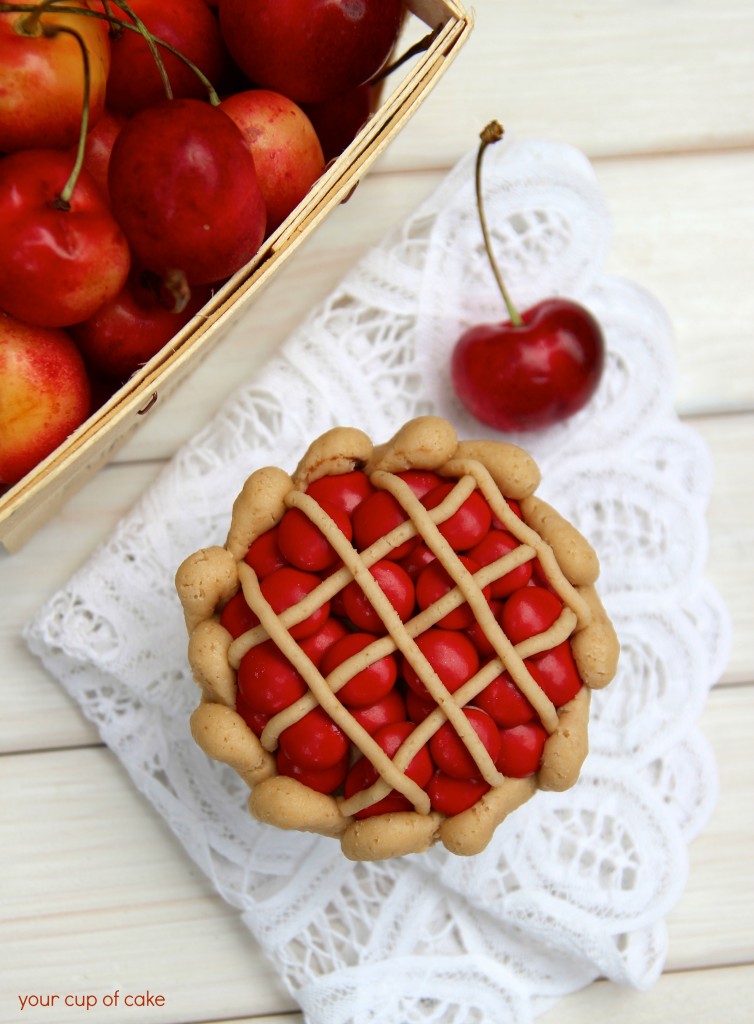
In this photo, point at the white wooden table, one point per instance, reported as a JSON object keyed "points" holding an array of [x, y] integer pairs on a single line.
{"points": [[96, 893]]}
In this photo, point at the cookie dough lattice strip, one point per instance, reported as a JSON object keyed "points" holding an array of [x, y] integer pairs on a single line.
{"points": [[327, 700], [334, 583], [523, 533], [432, 537]]}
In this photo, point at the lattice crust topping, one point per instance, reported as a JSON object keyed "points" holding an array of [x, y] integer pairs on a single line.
{"points": [[457, 763]]}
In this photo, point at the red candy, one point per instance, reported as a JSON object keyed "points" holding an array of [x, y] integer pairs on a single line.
{"points": [[451, 796], [394, 582], [286, 587], [363, 773], [451, 754], [468, 525], [505, 703], [390, 709], [496, 544], [264, 554], [303, 544], [556, 673], [237, 617], [377, 516], [528, 612], [434, 581], [315, 741], [370, 684], [345, 491], [521, 750], [323, 780], [267, 682], [450, 653]]}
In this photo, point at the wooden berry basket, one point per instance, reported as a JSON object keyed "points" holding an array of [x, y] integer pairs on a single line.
{"points": [[31, 502]]}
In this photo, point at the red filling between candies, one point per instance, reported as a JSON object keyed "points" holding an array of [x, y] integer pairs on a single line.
{"points": [[401, 641]]}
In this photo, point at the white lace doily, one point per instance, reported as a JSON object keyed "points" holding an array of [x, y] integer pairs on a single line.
{"points": [[574, 885]]}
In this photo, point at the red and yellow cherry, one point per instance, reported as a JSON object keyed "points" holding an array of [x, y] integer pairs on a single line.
{"points": [[370, 684], [42, 76], [338, 120], [44, 394], [310, 50], [99, 145], [188, 26], [125, 332], [535, 369], [61, 259], [287, 152], [183, 188]]}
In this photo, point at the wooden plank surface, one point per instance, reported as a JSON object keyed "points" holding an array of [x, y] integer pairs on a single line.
{"points": [[96, 892]]}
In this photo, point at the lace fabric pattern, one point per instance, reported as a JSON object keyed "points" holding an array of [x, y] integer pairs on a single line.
{"points": [[574, 885]]}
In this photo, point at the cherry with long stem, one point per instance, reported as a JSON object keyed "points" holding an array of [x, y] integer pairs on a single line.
{"points": [[492, 133]]}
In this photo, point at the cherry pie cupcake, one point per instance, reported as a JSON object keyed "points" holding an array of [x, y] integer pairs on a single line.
{"points": [[397, 644]]}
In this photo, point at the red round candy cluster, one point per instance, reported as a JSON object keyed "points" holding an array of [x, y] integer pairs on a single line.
{"points": [[387, 698]]}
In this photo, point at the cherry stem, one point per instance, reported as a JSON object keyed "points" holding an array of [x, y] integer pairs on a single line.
{"points": [[418, 47], [493, 132], [63, 201], [117, 25]]}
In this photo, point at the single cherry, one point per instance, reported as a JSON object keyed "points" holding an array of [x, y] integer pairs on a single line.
{"points": [[537, 368], [183, 188], [310, 50]]}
